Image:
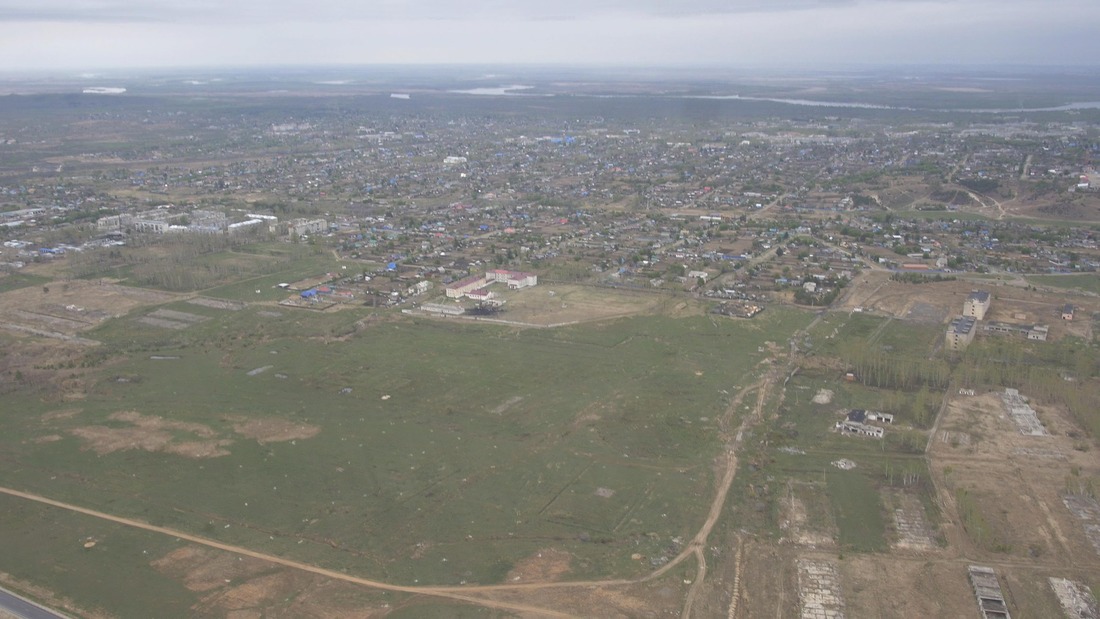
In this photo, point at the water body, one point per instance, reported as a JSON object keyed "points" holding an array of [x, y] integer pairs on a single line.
{"points": [[495, 91], [516, 90], [1080, 105]]}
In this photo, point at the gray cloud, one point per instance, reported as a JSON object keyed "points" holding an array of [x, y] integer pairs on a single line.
{"points": [[115, 33], [170, 11]]}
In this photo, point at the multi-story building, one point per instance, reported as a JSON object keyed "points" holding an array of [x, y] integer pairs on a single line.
{"points": [[976, 304], [960, 332]]}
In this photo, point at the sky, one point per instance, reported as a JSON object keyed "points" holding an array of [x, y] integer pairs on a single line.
{"points": [[86, 35]]}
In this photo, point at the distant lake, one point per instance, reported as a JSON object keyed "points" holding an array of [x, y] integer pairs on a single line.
{"points": [[1081, 105], [494, 91]]}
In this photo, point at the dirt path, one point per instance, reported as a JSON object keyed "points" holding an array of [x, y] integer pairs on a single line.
{"points": [[443, 592], [698, 544]]}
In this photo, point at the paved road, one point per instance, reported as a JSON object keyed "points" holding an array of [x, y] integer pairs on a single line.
{"points": [[24, 609]]}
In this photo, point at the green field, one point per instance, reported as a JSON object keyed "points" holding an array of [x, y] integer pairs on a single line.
{"points": [[444, 451], [15, 281], [1088, 282]]}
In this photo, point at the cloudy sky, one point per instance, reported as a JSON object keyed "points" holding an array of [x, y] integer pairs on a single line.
{"points": [[98, 34]]}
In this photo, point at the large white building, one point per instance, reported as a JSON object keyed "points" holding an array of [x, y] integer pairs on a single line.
{"points": [[475, 285], [514, 279]]}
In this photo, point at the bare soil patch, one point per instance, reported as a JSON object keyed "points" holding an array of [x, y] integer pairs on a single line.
{"points": [[233, 306], [816, 532], [153, 433], [548, 304], [74, 305], [273, 430], [509, 403], [247, 588], [205, 569], [153, 321], [884, 586], [64, 413], [1015, 481], [180, 316], [49, 438], [546, 565]]}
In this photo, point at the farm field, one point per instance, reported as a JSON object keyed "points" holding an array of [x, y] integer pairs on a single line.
{"points": [[419, 452]]}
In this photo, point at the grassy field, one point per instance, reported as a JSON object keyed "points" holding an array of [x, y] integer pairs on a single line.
{"points": [[1088, 282], [46, 545], [15, 281], [859, 511], [837, 328], [412, 451]]}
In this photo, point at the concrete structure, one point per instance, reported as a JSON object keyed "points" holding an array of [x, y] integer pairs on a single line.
{"points": [[150, 225], [298, 227], [446, 310], [855, 422], [976, 304], [116, 223], [1021, 413], [1067, 312], [1031, 332], [859, 429], [1038, 333], [960, 333], [987, 590]]}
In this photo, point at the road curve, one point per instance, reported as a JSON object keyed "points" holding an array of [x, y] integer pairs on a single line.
{"points": [[23, 608]]}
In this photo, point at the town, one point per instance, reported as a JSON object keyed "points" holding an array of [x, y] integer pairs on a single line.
{"points": [[746, 347]]}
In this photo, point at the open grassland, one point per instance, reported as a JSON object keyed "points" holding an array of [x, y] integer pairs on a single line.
{"points": [[37, 540], [557, 304], [15, 281], [1088, 282], [412, 451]]}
